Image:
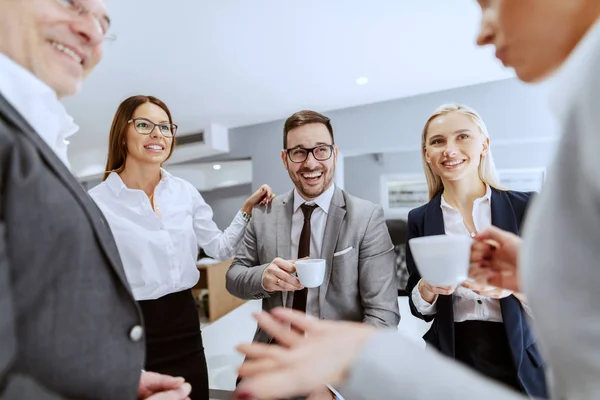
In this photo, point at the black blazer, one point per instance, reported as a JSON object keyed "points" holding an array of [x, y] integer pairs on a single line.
{"points": [[508, 210]]}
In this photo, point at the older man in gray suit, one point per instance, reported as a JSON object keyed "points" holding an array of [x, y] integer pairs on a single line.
{"points": [[317, 220], [69, 326]]}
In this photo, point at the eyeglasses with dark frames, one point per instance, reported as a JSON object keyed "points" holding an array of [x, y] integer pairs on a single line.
{"points": [[145, 127], [300, 154]]}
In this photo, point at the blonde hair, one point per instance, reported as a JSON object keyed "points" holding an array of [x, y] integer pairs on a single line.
{"points": [[487, 168]]}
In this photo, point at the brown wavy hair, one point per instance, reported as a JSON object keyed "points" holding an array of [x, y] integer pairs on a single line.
{"points": [[117, 144]]}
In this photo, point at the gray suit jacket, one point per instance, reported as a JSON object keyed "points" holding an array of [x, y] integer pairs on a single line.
{"points": [[66, 310], [359, 285]]}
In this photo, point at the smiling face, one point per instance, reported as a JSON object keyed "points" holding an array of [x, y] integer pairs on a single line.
{"points": [[153, 148], [51, 40], [311, 177], [454, 146]]}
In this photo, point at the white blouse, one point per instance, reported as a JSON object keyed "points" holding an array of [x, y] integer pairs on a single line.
{"points": [[159, 253], [467, 304]]}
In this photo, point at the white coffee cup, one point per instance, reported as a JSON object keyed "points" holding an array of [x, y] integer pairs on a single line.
{"points": [[442, 260], [311, 272]]}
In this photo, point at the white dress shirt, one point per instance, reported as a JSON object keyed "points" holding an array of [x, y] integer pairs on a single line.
{"points": [[159, 253], [38, 104], [467, 304], [318, 220]]}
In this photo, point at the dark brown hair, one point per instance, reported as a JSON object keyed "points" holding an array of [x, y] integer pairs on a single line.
{"points": [[305, 117], [117, 144]]}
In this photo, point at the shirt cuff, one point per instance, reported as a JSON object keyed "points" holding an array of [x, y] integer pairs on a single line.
{"points": [[239, 220], [422, 306]]}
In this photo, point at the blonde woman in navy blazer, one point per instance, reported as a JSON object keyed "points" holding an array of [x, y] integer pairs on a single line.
{"points": [[483, 327]]}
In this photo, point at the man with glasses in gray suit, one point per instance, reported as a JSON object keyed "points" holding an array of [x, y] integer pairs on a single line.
{"points": [[317, 220], [69, 326]]}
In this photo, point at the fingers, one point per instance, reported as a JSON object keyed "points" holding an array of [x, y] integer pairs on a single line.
{"points": [[181, 393], [278, 276], [480, 274], [279, 329], [277, 279], [290, 281], [276, 385], [475, 286], [265, 193], [443, 290], [299, 320], [481, 251], [501, 275], [505, 280], [253, 367], [258, 350], [285, 265], [491, 233], [495, 293], [158, 382]]}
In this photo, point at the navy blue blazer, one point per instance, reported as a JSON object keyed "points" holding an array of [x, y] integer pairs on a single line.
{"points": [[508, 210]]}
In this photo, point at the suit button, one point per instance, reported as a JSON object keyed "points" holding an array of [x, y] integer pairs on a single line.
{"points": [[479, 302], [136, 333]]}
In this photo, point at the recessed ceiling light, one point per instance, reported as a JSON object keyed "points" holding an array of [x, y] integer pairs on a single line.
{"points": [[363, 80], [216, 167]]}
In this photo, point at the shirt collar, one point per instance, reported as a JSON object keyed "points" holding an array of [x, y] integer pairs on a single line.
{"points": [[486, 196], [116, 184], [566, 82], [323, 201], [38, 104]]}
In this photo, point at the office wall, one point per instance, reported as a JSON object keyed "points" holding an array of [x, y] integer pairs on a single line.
{"points": [[514, 113], [363, 173], [226, 202]]}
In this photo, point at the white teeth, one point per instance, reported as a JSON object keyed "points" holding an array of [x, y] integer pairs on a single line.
{"points": [[154, 147], [312, 175], [452, 163], [67, 51]]}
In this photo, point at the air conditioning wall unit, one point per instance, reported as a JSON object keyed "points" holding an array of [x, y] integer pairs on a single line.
{"points": [[213, 140], [88, 165]]}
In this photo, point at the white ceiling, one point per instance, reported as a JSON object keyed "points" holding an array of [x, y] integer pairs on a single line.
{"points": [[241, 62]]}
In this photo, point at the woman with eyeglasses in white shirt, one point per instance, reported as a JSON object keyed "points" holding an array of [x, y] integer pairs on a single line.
{"points": [[484, 327], [159, 221]]}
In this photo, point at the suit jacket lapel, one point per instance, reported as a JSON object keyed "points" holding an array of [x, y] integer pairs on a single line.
{"points": [[434, 219], [503, 217], [503, 214], [335, 217], [284, 233], [67, 178]]}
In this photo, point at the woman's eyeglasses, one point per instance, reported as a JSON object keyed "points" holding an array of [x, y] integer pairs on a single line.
{"points": [[145, 127]]}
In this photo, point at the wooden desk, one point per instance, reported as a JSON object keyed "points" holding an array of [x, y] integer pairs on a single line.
{"points": [[212, 278]]}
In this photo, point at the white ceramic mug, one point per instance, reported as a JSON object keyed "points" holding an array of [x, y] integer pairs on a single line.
{"points": [[442, 260], [311, 272]]}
